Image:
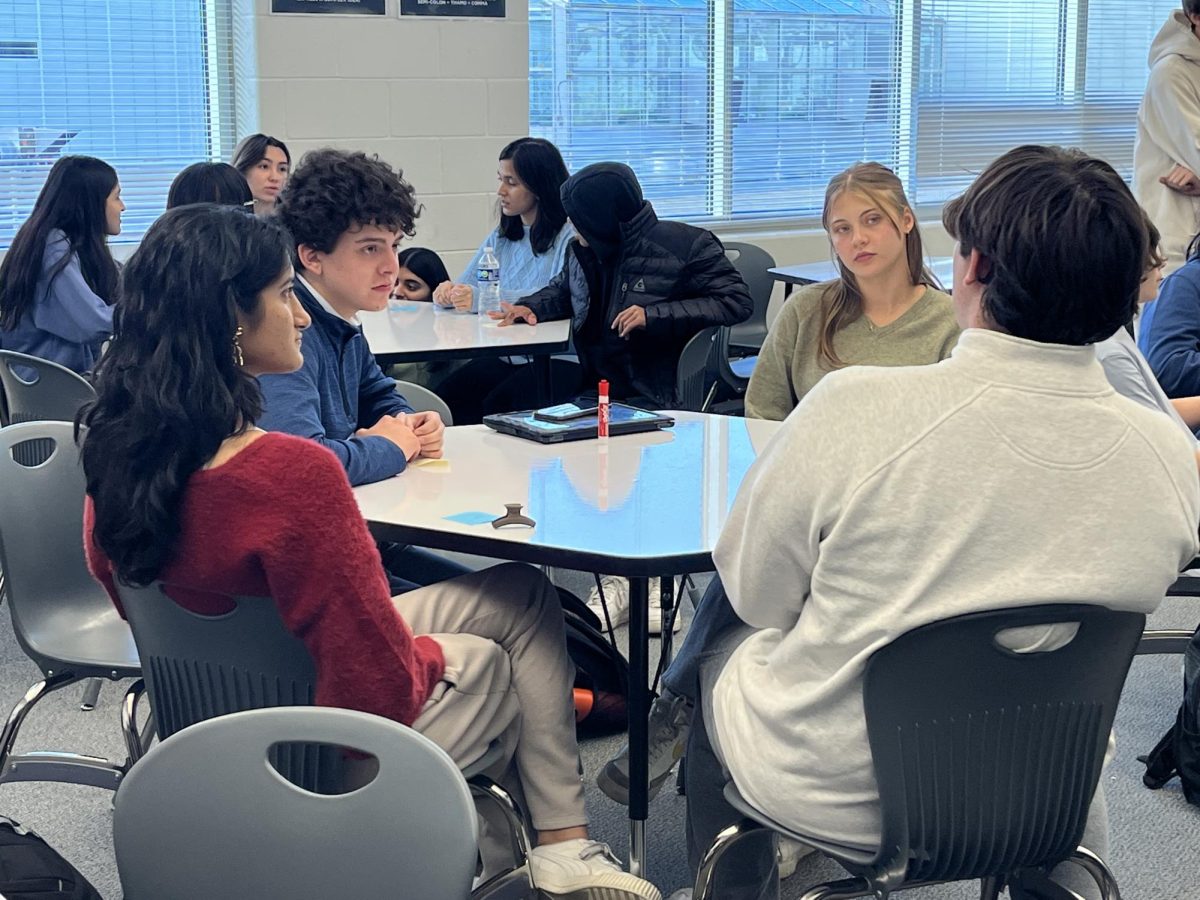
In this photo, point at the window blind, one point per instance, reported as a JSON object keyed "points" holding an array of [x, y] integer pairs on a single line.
{"points": [[743, 109], [145, 85]]}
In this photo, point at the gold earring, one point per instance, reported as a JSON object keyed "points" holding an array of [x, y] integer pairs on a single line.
{"points": [[237, 347]]}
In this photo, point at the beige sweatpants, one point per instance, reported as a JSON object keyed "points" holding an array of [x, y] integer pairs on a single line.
{"points": [[507, 678]]}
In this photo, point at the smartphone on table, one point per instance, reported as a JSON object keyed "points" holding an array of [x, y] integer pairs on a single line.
{"points": [[564, 412]]}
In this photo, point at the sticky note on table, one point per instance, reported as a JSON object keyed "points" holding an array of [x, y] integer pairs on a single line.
{"points": [[470, 518], [441, 465]]}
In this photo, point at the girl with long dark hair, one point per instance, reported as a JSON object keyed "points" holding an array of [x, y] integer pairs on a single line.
{"points": [[58, 280], [531, 239], [265, 162], [885, 309], [184, 489]]}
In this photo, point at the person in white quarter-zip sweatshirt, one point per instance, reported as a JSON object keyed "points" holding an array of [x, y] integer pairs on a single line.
{"points": [[1166, 154], [895, 497]]}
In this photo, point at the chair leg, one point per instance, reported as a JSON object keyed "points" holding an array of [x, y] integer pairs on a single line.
{"points": [[1101, 874], [989, 888], [482, 786], [839, 890], [22, 707], [91, 695], [134, 745], [726, 839]]}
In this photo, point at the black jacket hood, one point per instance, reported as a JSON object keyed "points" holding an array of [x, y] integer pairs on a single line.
{"points": [[600, 198]]}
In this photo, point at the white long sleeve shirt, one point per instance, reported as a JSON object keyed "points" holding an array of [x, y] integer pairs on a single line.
{"points": [[1168, 134], [1009, 474]]}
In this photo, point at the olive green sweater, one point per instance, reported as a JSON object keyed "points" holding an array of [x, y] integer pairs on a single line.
{"points": [[789, 364]]}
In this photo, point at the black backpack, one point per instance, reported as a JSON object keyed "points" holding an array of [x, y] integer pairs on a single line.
{"points": [[1178, 753], [30, 869], [601, 672]]}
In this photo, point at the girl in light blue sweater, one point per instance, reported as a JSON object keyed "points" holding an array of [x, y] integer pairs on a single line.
{"points": [[58, 279], [531, 239]]}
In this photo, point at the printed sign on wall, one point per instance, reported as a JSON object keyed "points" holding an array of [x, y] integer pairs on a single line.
{"points": [[338, 7], [489, 9]]}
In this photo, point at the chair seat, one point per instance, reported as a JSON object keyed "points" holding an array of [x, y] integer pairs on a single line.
{"points": [[748, 336], [853, 856], [100, 640]]}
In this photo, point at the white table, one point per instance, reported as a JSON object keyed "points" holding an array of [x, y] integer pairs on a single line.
{"points": [[641, 505], [814, 273], [426, 331]]}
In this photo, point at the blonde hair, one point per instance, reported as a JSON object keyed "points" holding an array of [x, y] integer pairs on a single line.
{"points": [[841, 303]]}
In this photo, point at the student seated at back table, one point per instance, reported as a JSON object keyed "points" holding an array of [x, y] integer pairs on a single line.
{"points": [[887, 501], [264, 162], [530, 243], [882, 311], [58, 280], [346, 212], [183, 489], [1127, 370], [1169, 332], [636, 289], [210, 182]]}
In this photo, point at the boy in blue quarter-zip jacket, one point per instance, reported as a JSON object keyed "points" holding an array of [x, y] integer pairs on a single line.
{"points": [[346, 213]]}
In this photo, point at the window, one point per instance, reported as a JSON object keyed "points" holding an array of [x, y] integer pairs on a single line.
{"points": [[138, 83], [742, 109]]}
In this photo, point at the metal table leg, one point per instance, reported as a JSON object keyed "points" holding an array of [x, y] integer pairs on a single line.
{"points": [[639, 710], [541, 377]]}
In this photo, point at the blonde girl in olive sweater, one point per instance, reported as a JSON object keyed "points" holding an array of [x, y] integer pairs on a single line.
{"points": [[884, 310]]}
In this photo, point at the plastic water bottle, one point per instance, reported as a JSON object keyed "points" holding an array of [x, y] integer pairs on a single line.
{"points": [[487, 283]]}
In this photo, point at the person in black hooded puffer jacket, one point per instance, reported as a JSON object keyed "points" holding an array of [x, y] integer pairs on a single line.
{"points": [[635, 288]]}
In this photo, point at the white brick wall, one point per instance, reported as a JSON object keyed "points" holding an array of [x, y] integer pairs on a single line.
{"points": [[438, 98]]}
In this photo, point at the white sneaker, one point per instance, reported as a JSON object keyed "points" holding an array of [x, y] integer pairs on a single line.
{"points": [[583, 869], [789, 855], [616, 596], [681, 894]]}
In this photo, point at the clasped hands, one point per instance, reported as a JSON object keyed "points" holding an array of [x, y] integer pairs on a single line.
{"points": [[417, 434]]}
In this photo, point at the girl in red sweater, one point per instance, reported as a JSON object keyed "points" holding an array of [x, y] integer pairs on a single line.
{"points": [[182, 488]]}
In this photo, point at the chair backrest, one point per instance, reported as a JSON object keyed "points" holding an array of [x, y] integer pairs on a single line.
{"points": [[987, 759], [202, 815], [422, 399], [752, 263], [198, 666], [38, 389], [693, 371], [58, 609]]}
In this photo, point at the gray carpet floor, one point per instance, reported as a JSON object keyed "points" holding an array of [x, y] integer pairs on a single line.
{"points": [[1155, 844]]}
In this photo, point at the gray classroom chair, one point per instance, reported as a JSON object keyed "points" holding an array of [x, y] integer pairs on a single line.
{"points": [[986, 759], [197, 667], [422, 399], [692, 374], [63, 619], [204, 815], [41, 390], [37, 390], [752, 263]]}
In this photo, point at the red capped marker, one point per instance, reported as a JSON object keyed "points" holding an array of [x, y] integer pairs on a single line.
{"points": [[602, 409]]}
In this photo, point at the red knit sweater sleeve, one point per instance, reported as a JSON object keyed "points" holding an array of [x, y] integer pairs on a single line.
{"points": [[325, 574]]}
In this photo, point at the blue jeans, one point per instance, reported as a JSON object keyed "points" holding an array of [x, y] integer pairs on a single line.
{"points": [[408, 568], [714, 616]]}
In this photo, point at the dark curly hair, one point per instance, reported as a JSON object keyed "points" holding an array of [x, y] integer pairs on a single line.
{"points": [[334, 191], [1064, 243], [169, 390]]}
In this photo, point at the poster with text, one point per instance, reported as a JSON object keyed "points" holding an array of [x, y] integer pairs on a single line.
{"points": [[487, 9], [337, 7]]}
